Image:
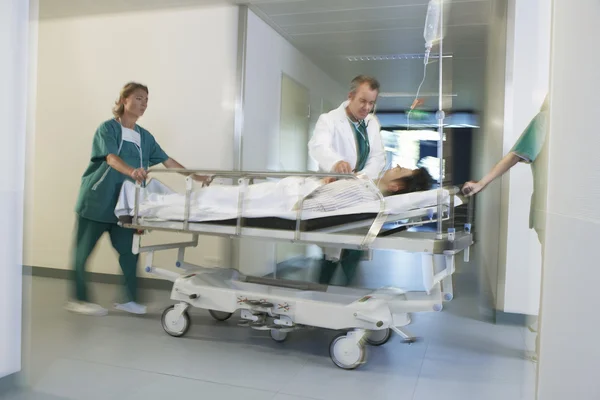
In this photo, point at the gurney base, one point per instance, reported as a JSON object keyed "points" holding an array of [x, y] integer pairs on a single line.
{"points": [[406, 337], [364, 317]]}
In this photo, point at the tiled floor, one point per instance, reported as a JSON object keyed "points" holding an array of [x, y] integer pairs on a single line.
{"points": [[126, 357]]}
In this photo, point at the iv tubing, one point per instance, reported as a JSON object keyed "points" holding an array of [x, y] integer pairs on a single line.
{"points": [[417, 96]]}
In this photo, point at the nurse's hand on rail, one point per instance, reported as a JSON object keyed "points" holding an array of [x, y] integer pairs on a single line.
{"points": [[139, 174], [342, 167], [471, 188]]}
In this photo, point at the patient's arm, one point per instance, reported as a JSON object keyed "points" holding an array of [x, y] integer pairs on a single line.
{"points": [[509, 161]]}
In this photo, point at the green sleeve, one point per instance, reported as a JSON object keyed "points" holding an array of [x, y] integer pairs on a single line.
{"points": [[529, 145], [105, 142], [157, 154]]}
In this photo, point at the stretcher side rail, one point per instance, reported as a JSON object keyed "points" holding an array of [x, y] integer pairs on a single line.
{"points": [[414, 242], [246, 177]]}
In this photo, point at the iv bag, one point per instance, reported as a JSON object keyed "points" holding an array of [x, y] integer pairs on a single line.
{"points": [[432, 32]]}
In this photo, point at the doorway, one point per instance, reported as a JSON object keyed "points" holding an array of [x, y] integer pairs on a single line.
{"points": [[293, 125], [294, 134]]}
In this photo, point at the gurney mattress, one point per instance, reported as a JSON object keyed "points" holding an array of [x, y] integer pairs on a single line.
{"points": [[160, 203]]}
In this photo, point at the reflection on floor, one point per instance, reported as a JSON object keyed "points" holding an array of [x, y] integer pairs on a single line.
{"points": [[125, 357]]}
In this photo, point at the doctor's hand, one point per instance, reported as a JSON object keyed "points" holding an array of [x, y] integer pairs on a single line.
{"points": [[139, 174], [342, 167], [471, 188]]}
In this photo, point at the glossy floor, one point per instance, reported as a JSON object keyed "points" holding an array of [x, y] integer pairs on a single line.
{"points": [[126, 357]]}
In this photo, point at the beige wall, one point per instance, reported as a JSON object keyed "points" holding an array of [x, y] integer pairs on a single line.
{"points": [[187, 57]]}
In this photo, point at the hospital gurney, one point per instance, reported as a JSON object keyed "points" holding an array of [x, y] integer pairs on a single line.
{"points": [[363, 316]]}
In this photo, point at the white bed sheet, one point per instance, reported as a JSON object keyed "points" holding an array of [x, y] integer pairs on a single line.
{"points": [[158, 202]]}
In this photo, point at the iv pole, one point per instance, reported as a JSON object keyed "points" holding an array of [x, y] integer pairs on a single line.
{"points": [[440, 117]]}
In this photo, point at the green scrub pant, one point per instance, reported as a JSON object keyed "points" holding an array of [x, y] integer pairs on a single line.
{"points": [[349, 260], [88, 234]]}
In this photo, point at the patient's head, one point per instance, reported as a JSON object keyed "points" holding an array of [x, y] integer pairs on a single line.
{"points": [[400, 180]]}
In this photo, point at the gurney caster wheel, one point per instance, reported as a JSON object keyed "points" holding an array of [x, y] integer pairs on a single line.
{"points": [[379, 337], [346, 353], [175, 327], [278, 336], [220, 315]]}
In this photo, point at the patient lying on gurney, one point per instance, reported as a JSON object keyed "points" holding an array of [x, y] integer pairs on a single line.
{"points": [[273, 197], [338, 194]]}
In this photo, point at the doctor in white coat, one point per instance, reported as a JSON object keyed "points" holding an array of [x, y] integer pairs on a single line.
{"points": [[348, 140]]}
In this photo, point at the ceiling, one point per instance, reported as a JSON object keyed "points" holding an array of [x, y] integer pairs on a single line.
{"points": [[328, 31], [332, 29]]}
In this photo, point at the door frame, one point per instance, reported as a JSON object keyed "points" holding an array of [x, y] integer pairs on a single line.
{"points": [[281, 76]]}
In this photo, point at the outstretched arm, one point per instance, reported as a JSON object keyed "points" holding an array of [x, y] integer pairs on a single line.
{"points": [[509, 161], [526, 149], [173, 164]]}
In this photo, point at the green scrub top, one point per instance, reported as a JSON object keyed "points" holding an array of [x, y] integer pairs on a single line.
{"points": [[101, 184], [363, 147], [532, 148]]}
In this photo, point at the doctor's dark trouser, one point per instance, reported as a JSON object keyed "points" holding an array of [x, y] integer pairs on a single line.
{"points": [[87, 236], [349, 260]]}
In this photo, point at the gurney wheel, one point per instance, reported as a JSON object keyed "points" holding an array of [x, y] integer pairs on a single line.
{"points": [[171, 326], [379, 337], [220, 315], [278, 336], [346, 353]]}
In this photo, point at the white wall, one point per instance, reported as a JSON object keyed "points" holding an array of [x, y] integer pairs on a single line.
{"points": [[14, 27], [269, 55], [527, 81], [569, 351], [187, 57]]}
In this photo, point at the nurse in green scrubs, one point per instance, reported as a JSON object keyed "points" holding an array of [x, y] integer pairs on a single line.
{"points": [[121, 150], [531, 148]]}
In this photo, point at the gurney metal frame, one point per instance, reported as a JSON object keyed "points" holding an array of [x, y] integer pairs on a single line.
{"points": [[364, 316]]}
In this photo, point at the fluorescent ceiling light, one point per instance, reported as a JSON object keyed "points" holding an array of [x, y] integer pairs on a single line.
{"points": [[385, 57], [399, 94]]}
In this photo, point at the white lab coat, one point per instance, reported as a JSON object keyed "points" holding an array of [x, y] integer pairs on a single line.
{"points": [[334, 140]]}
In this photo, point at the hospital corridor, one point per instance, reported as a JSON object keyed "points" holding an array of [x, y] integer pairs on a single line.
{"points": [[299, 200]]}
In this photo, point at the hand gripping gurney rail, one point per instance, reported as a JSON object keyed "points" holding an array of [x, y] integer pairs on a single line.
{"points": [[364, 316]]}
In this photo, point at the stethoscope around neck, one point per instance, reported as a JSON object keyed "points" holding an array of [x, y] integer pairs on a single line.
{"points": [[362, 134]]}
